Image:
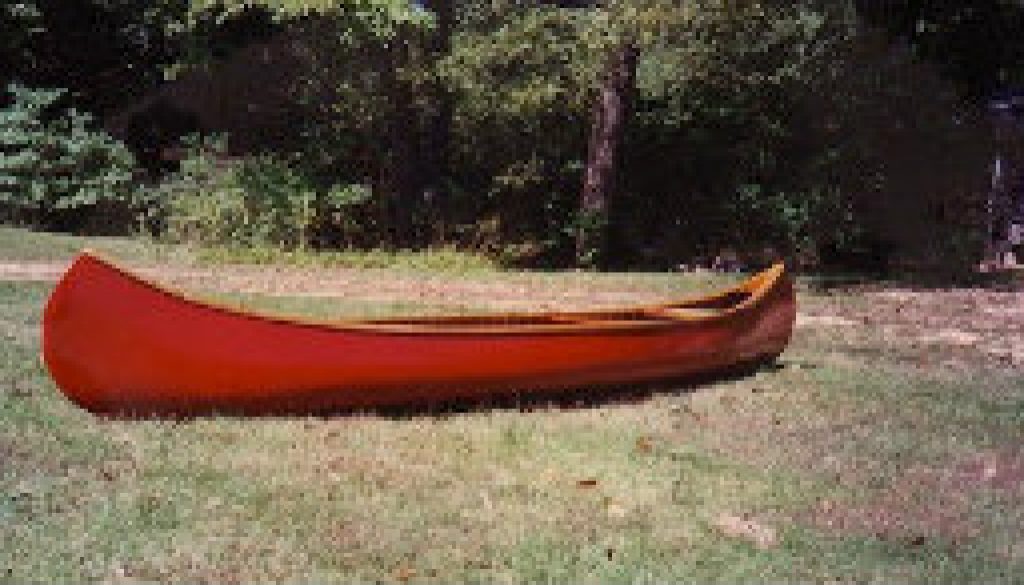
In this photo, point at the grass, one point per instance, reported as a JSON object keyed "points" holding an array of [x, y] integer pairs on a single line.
{"points": [[22, 245], [430, 260], [860, 464], [327, 309], [25, 245]]}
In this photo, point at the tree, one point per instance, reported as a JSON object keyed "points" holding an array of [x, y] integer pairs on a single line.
{"points": [[368, 90], [630, 30], [612, 109], [626, 23], [55, 167]]}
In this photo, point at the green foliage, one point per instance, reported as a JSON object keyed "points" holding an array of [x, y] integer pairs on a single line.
{"points": [[55, 166], [724, 150], [754, 125], [534, 61], [589, 228], [379, 18], [256, 201]]}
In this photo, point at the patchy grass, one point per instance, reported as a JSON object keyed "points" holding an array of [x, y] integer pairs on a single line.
{"points": [[866, 456], [17, 244], [403, 286], [430, 260], [335, 308]]}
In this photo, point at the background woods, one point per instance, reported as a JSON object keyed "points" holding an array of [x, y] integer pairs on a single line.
{"points": [[626, 133]]}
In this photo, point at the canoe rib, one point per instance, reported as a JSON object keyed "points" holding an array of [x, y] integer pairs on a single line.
{"points": [[117, 342]]}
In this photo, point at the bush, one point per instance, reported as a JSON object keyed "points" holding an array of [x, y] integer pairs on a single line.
{"points": [[257, 201], [56, 171]]}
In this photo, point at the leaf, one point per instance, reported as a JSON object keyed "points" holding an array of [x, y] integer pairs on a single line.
{"points": [[644, 445], [404, 573]]}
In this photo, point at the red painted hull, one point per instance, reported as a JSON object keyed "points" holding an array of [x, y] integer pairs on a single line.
{"points": [[116, 343]]}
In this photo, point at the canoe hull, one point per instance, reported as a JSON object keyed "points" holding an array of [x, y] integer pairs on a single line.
{"points": [[115, 343]]}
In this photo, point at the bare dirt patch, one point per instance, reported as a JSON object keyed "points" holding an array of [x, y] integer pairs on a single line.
{"points": [[746, 528], [1001, 470], [32, 271], [926, 503], [958, 328], [806, 320]]}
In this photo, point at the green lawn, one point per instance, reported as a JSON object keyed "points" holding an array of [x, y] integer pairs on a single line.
{"points": [[864, 457]]}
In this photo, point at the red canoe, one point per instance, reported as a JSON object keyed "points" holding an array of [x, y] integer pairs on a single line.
{"points": [[118, 343]]}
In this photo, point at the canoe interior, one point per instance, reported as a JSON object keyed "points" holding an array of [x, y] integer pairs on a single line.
{"points": [[692, 309], [702, 308]]}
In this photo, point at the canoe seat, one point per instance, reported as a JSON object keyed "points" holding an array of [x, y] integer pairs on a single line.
{"points": [[687, 312]]}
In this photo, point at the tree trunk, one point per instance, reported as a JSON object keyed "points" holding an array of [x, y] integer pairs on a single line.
{"points": [[611, 112]]}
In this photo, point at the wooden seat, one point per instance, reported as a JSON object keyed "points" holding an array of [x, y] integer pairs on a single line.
{"points": [[686, 312]]}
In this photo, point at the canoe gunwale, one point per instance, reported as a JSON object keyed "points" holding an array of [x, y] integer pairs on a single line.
{"points": [[641, 319]]}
